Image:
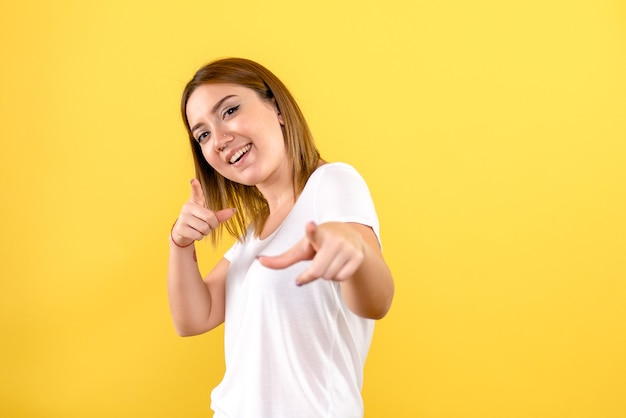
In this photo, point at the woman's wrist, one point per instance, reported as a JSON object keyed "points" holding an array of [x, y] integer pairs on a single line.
{"points": [[173, 241]]}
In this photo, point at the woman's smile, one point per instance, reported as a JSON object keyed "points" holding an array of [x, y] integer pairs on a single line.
{"points": [[236, 157]]}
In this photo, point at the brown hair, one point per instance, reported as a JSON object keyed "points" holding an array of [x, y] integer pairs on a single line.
{"points": [[221, 193]]}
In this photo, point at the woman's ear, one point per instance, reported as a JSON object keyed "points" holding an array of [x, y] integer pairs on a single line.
{"points": [[280, 116]]}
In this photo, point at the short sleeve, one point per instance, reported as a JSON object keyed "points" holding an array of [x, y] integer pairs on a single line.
{"points": [[232, 252], [343, 196]]}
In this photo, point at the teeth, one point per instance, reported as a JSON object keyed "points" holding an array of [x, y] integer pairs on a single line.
{"points": [[239, 153]]}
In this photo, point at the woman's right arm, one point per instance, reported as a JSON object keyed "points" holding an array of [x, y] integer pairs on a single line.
{"points": [[196, 305]]}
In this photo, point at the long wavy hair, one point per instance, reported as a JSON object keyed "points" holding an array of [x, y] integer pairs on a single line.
{"points": [[221, 193]]}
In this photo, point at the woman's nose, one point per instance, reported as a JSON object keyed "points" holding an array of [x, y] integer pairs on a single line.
{"points": [[222, 140]]}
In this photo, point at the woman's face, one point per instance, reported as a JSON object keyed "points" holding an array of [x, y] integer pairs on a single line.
{"points": [[240, 134]]}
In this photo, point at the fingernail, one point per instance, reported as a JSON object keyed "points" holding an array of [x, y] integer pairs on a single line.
{"points": [[299, 284]]}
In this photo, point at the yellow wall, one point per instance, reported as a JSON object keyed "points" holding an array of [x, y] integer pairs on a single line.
{"points": [[492, 134]]}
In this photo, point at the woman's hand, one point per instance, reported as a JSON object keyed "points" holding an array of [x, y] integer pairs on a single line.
{"points": [[195, 220], [337, 250]]}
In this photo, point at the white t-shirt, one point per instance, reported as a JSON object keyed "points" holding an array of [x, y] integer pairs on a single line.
{"points": [[295, 352]]}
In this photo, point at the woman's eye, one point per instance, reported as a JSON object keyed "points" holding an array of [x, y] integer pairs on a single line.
{"points": [[202, 137], [231, 110]]}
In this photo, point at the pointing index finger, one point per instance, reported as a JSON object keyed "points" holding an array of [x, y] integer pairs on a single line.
{"points": [[299, 252], [196, 193]]}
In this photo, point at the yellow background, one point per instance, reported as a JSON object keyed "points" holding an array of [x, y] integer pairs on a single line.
{"points": [[492, 135]]}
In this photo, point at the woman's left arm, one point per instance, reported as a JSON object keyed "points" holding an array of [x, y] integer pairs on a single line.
{"points": [[369, 291]]}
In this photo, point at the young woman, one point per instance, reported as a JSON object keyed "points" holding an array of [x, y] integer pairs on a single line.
{"points": [[299, 291]]}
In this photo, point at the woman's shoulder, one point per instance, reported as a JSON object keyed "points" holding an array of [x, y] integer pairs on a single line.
{"points": [[334, 167], [336, 175]]}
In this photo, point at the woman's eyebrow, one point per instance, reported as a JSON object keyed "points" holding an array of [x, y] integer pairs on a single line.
{"points": [[214, 109], [219, 102]]}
